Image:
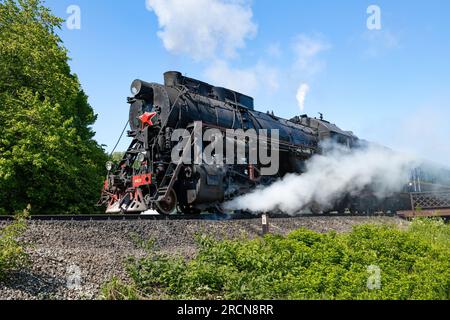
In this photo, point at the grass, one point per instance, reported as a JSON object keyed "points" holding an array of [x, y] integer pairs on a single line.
{"points": [[371, 262]]}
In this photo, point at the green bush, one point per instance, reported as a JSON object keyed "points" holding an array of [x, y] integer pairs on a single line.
{"points": [[413, 264], [12, 252]]}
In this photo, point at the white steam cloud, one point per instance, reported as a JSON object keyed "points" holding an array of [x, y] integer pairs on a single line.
{"points": [[301, 95], [204, 28], [248, 80], [329, 177], [307, 50]]}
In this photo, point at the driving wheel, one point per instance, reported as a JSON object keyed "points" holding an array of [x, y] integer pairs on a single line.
{"points": [[168, 205]]}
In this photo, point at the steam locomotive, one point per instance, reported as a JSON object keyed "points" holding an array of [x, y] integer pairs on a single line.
{"points": [[147, 177]]}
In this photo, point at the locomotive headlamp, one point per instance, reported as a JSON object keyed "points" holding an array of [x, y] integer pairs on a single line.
{"points": [[109, 165], [142, 89], [136, 87], [141, 157]]}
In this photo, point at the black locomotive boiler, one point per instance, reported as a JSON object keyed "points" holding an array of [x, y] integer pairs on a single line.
{"points": [[148, 178]]}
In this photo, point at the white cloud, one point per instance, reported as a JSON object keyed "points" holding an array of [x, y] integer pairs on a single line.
{"points": [[307, 49], [424, 131], [204, 28], [301, 95], [246, 80], [274, 50]]}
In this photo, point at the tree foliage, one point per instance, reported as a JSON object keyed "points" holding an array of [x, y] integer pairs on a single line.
{"points": [[48, 157], [412, 264]]}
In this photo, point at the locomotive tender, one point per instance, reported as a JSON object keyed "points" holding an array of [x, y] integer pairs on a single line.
{"points": [[147, 178]]}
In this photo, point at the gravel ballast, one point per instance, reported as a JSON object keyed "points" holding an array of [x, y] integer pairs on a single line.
{"points": [[73, 259]]}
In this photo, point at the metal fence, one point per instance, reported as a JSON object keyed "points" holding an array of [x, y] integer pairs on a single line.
{"points": [[430, 200]]}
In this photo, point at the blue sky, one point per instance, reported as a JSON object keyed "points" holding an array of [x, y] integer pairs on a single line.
{"points": [[390, 85]]}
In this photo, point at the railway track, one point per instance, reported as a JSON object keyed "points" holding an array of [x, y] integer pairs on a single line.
{"points": [[176, 217]]}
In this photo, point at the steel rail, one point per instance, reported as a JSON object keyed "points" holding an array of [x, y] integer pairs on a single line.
{"points": [[175, 217]]}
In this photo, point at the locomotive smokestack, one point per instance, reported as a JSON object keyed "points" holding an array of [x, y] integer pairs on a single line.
{"points": [[172, 78]]}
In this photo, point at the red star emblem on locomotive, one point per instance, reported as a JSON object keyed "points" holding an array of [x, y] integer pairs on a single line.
{"points": [[146, 118]]}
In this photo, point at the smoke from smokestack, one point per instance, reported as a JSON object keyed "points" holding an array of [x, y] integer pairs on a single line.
{"points": [[301, 95], [330, 176]]}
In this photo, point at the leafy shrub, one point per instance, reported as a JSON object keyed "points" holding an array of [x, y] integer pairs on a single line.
{"points": [[413, 264], [117, 290], [12, 252]]}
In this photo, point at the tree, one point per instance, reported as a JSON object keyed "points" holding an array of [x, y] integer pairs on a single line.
{"points": [[48, 157]]}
